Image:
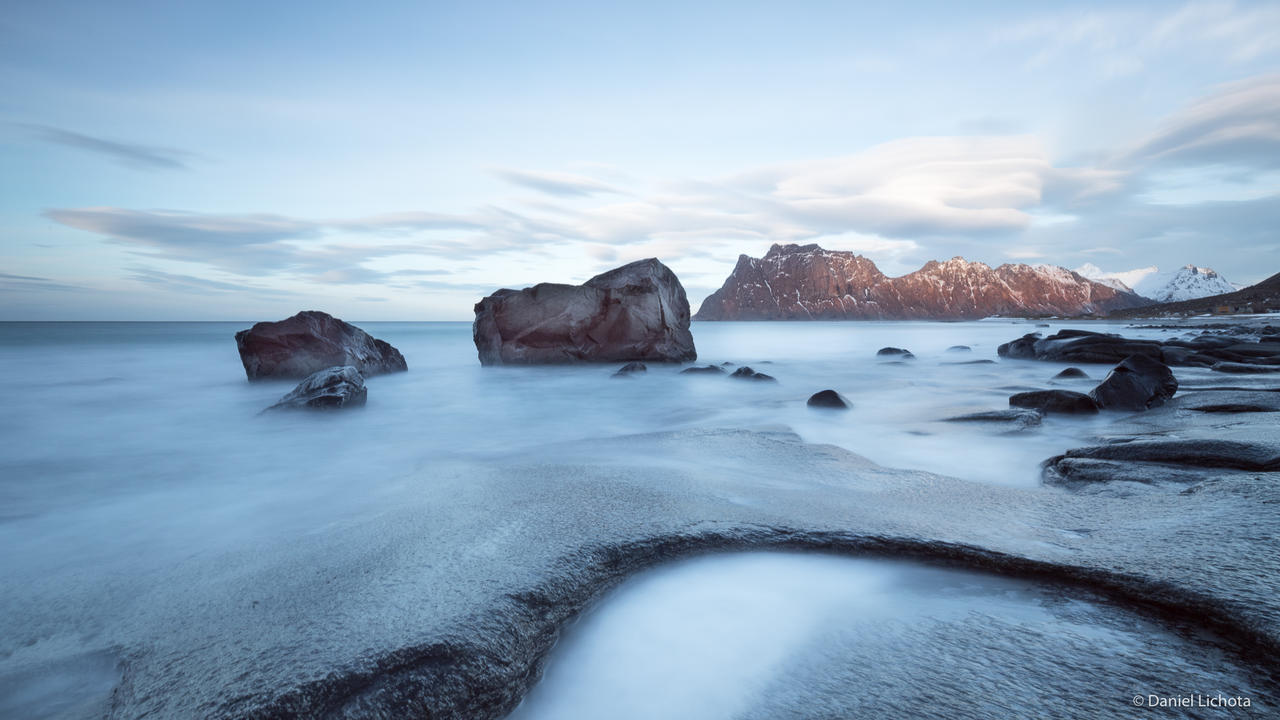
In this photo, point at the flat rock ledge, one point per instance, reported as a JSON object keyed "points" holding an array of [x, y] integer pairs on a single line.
{"points": [[485, 675]]}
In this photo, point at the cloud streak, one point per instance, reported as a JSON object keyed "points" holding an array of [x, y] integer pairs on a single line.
{"points": [[134, 155]]}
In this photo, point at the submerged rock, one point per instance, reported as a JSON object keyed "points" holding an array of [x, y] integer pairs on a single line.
{"points": [[1055, 401], [895, 352], [703, 370], [829, 399], [1018, 417], [636, 312], [1137, 383], [746, 373], [1071, 373], [631, 368], [312, 341], [333, 388], [1243, 368], [959, 348]]}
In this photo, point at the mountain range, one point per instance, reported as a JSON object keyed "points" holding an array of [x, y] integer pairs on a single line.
{"points": [[806, 282]]}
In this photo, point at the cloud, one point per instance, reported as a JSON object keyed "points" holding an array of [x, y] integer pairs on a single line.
{"points": [[135, 155], [1237, 125], [559, 184], [25, 283], [1122, 41], [191, 283]]}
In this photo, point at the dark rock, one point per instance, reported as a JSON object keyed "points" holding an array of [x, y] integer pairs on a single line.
{"points": [[1073, 472], [893, 351], [329, 389], [631, 368], [1042, 324], [312, 341], [1137, 383], [972, 362], [1243, 369], [959, 348], [704, 370], [1227, 454], [1024, 348], [1071, 373], [1055, 401], [746, 373], [1020, 417], [828, 399], [636, 312]]}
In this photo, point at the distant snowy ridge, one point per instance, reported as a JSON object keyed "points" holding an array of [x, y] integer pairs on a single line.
{"points": [[1187, 283]]}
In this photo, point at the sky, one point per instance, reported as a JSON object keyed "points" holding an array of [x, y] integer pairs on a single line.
{"points": [[399, 161]]}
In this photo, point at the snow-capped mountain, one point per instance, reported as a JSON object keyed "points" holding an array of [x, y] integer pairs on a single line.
{"points": [[806, 282], [1187, 283]]}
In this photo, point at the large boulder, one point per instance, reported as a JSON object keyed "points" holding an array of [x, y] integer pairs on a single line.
{"points": [[829, 399], [312, 341], [636, 312], [329, 389], [1079, 346], [1137, 383]]}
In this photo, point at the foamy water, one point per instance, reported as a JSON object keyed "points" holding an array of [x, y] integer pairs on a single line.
{"points": [[135, 449]]}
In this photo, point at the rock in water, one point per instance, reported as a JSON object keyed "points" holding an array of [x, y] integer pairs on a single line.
{"points": [[1071, 373], [1137, 383], [636, 312], [829, 399], [705, 370], [329, 389], [895, 352], [631, 368], [746, 373], [312, 341], [1055, 401]]}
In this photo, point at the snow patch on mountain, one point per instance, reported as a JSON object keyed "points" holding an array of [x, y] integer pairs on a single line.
{"points": [[1128, 280]]}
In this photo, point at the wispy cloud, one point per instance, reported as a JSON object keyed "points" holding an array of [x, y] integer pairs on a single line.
{"points": [[135, 155], [19, 283], [559, 184]]}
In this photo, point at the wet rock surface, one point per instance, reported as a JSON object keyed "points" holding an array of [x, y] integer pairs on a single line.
{"points": [[447, 603], [312, 341], [333, 388], [1071, 373], [828, 399], [636, 312], [1017, 418], [1137, 383], [1065, 402]]}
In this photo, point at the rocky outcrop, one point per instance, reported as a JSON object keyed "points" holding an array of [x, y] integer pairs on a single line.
{"points": [[829, 399], [1153, 462], [1055, 401], [636, 312], [333, 388], [795, 282], [1086, 346], [1137, 383], [312, 341]]}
